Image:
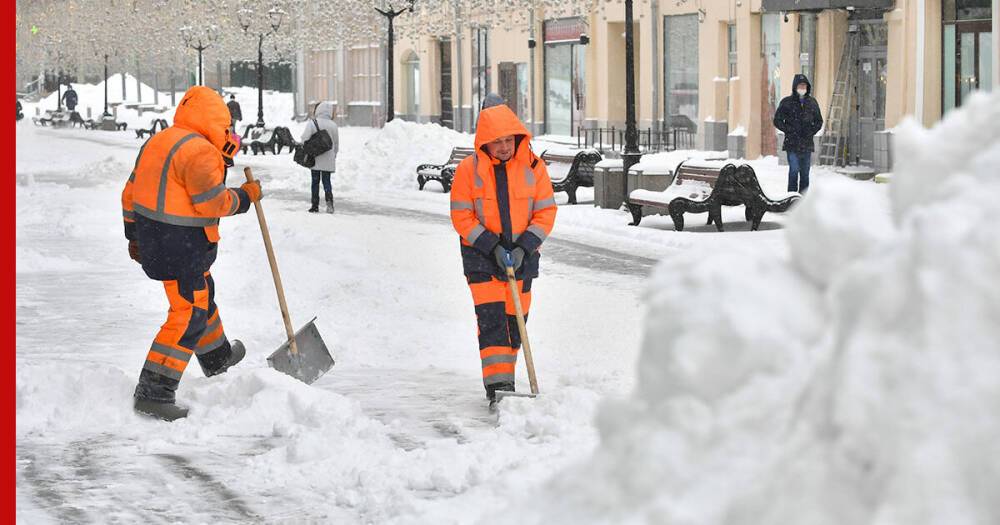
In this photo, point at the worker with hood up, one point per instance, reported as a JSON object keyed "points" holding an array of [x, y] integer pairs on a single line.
{"points": [[172, 203], [501, 202]]}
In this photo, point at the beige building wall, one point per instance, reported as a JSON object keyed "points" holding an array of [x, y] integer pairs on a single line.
{"points": [[732, 105]]}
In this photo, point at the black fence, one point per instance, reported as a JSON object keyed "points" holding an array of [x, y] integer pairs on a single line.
{"points": [[650, 141], [277, 75]]}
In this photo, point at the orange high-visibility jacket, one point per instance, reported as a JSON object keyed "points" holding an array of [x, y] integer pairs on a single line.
{"points": [[179, 175], [476, 203]]}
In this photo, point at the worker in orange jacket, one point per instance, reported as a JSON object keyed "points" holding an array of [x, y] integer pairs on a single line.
{"points": [[501, 202], [172, 203]]}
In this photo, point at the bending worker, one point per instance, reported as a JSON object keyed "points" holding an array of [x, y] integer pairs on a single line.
{"points": [[501, 201], [172, 203]]}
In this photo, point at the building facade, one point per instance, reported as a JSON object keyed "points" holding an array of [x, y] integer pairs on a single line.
{"points": [[719, 66], [353, 78]]}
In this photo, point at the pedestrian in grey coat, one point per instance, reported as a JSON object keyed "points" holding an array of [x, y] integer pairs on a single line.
{"points": [[326, 163]]}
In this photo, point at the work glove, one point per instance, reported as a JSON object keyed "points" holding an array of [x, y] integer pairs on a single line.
{"points": [[133, 251], [517, 254], [253, 190]]}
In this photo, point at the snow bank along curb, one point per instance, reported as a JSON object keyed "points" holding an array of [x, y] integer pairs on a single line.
{"points": [[854, 381]]}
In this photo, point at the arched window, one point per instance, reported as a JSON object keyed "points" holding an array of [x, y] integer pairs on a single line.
{"points": [[411, 69]]}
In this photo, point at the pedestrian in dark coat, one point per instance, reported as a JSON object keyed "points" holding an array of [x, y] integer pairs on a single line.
{"points": [[798, 116], [70, 98], [235, 112]]}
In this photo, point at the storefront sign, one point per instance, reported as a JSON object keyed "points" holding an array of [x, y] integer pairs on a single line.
{"points": [[564, 30]]}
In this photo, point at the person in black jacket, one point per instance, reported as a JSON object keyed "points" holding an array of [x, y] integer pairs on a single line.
{"points": [[70, 98], [798, 116], [235, 112]]}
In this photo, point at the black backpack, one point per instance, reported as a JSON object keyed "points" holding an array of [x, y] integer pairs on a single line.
{"points": [[319, 143]]}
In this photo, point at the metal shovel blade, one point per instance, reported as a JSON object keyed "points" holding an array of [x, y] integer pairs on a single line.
{"points": [[501, 394], [312, 361]]}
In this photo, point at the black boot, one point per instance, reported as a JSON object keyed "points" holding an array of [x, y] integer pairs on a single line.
{"points": [[154, 396], [329, 203], [166, 411], [210, 363], [315, 204], [491, 392]]}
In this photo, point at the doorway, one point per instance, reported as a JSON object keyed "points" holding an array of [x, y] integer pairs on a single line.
{"points": [[771, 94], [869, 112], [968, 50], [968, 60], [564, 88], [447, 116]]}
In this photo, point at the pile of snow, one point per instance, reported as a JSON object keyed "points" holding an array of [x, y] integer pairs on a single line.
{"points": [[92, 95], [389, 159], [853, 380]]}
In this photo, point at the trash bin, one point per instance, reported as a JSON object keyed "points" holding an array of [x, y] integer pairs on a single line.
{"points": [[608, 184]]}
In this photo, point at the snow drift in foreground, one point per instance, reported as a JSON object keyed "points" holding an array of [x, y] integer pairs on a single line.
{"points": [[854, 381]]}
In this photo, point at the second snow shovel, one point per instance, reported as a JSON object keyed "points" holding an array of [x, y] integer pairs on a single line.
{"points": [[304, 355], [528, 362]]}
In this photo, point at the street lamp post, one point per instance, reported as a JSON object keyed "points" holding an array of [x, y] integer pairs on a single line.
{"points": [[631, 154], [274, 16], [390, 15], [98, 51], [200, 44]]}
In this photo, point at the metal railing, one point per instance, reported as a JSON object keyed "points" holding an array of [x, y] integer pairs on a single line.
{"points": [[650, 141]]}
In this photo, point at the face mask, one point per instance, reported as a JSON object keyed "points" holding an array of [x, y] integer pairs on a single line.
{"points": [[802, 92]]}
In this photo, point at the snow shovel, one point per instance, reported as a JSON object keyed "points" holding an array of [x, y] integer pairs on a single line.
{"points": [[528, 362], [304, 355]]}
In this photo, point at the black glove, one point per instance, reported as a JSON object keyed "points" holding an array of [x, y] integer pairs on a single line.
{"points": [[133, 251], [517, 254]]}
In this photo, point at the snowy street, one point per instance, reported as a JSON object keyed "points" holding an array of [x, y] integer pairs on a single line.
{"points": [[365, 440], [686, 377]]}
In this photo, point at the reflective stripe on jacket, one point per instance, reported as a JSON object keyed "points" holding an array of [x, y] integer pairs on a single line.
{"points": [[476, 204], [179, 174]]}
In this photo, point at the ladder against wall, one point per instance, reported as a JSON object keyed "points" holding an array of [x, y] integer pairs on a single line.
{"points": [[833, 144]]}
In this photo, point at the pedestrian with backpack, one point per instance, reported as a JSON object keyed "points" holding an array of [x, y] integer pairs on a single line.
{"points": [[320, 143]]}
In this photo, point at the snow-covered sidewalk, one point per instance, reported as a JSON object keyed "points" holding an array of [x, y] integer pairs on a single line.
{"points": [[398, 431]]}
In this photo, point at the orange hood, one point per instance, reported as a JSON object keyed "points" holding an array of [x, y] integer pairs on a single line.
{"points": [[500, 121], [203, 111]]}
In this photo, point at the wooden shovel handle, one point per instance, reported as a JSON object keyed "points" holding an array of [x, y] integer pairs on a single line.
{"points": [[528, 361], [274, 270]]}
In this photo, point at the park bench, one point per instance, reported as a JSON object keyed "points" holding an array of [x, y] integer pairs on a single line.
{"points": [[151, 108], [244, 143], [700, 188], [273, 141], [571, 171], [151, 130], [52, 118], [443, 173], [76, 120]]}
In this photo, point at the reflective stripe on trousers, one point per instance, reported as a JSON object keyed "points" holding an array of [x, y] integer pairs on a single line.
{"points": [[193, 327], [499, 339]]}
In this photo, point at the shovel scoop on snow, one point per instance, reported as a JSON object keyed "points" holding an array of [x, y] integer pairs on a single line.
{"points": [[304, 355], [310, 359]]}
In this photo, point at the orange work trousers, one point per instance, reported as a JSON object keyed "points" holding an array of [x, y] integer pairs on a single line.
{"points": [[499, 339], [193, 327]]}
